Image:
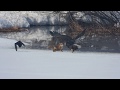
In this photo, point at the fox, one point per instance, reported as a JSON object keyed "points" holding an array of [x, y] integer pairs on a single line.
{"points": [[66, 40], [58, 47]]}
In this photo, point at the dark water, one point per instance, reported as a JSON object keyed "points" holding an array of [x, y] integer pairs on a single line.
{"points": [[38, 37]]}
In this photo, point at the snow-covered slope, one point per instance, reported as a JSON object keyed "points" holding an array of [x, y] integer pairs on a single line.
{"points": [[12, 18], [45, 64], [27, 18]]}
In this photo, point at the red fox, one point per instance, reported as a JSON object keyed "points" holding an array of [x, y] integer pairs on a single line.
{"points": [[58, 47]]}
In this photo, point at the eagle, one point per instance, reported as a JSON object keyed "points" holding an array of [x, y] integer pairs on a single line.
{"points": [[67, 40], [19, 43]]}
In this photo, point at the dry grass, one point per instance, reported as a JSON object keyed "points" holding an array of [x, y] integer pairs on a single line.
{"points": [[12, 29]]}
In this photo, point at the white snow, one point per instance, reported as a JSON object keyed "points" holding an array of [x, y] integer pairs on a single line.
{"points": [[12, 19], [27, 18], [45, 64]]}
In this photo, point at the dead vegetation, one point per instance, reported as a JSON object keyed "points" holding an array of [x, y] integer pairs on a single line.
{"points": [[12, 29], [101, 22]]}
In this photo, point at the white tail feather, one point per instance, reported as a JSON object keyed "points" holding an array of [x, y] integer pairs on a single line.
{"points": [[79, 46]]}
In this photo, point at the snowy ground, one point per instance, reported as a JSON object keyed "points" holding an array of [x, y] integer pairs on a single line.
{"points": [[45, 64]]}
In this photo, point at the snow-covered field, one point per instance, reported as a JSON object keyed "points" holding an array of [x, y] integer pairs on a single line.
{"points": [[45, 64]]}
